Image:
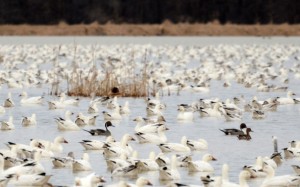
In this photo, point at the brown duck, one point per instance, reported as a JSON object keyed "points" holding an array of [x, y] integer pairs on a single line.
{"points": [[245, 136]]}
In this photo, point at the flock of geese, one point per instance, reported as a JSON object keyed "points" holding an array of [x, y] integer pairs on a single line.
{"points": [[267, 69]]}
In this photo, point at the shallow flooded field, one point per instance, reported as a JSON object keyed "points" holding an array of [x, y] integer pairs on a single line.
{"points": [[261, 71]]}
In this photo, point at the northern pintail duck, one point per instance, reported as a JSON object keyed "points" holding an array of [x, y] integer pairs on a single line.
{"points": [[101, 132], [235, 132]]}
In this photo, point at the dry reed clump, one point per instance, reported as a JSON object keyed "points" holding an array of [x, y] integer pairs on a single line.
{"points": [[108, 86]]}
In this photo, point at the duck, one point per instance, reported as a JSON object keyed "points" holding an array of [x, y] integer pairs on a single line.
{"points": [[235, 132], [287, 100], [184, 115], [101, 132], [55, 146], [60, 162], [245, 136], [8, 125], [30, 100], [28, 121], [91, 180], [284, 180], [82, 164], [96, 144], [177, 147], [201, 165], [158, 137], [9, 102], [170, 173], [197, 145]]}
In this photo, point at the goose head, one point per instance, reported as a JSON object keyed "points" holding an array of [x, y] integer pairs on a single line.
{"points": [[208, 157], [23, 94], [141, 181], [60, 139]]}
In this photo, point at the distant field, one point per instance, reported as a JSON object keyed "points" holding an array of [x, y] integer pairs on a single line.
{"points": [[166, 29]]}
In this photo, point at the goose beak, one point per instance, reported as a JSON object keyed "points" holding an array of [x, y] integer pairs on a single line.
{"points": [[149, 183], [132, 139], [65, 141], [214, 159], [167, 129], [102, 179]]}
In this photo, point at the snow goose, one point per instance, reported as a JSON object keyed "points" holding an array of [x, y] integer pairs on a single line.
{"points": [[61, 162], [197, 145], [8, 125], [115, 149], [160, 137], [27, 121], [9, 102], [55, 146], [130, 170], [101, 132], [177, 147], [140, 182], [296, 168], [38, 179], [93, 108], [284, 180], [256, 170], [30, 100], [212, 112], [96, 144], [65, 101], [258, 114], [148, 164], [185, 115], [67, 123], [245, 136], [162, 160], [235, 132], [125, 109], [201, 165], [115, 115], [117, 162], [170, 173], [90, 180], [287, 100], [82, 120], [82, 164]]}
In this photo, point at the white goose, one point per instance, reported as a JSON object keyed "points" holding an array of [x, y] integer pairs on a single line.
{"points": [[216, 111], [93, 108], [96, 144], [90, 180], [202, 165], [197, 145], [30, 100], [184, 115], [82, 164], [27, 121], [287, 100], [82, 120], [177, 147], [156, 138], [170, 173], [55, 146], [38, 179], [9, 102], [115, 115], [67, 123], [115, 149], [61, 162], [256, 169], [140, 182], [148, 164], [2, 110], [8, 125], [129, 171], [65, 101], [284, 180], [125, 109]]}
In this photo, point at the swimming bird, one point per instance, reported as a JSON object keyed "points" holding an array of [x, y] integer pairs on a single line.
{"points": [[170, 173], [96, 144], [60, 162], [27, 121], [177, 147], [201, 165], [30, 100], [101, 132], [245, 136], [235, 132], [91, 180], [82, 164], [9, 102], [287, 100], [8, 125]]}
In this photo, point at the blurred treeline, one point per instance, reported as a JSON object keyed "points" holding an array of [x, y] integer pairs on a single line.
{"points": [[149, 11]]}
